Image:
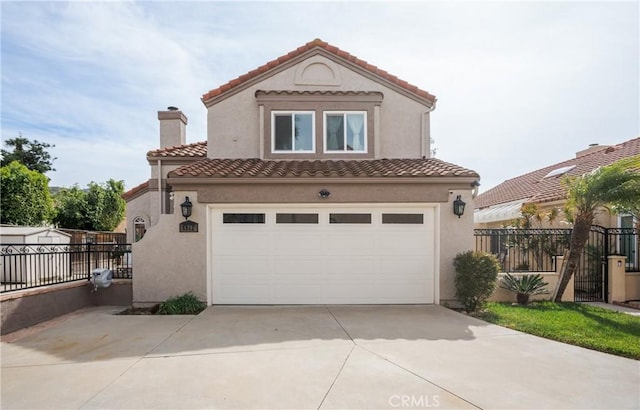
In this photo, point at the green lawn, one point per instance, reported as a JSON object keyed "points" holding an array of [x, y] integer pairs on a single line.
{"points": [[574, 323]]}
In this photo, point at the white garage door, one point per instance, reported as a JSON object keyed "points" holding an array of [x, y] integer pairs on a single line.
{"points": [[336, 255]]}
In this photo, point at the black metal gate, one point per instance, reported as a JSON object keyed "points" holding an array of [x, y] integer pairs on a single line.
{"points": [[590, 278]]}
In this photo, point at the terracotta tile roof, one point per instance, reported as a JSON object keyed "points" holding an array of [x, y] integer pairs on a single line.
{"points": [[534, 187], [325, 46], [198, 149], [248, 168], [135, 190]]}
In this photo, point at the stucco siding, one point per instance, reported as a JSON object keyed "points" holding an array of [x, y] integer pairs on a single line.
{"points": [[139, 207], [168, 263], [456, 235], [234, 123]]}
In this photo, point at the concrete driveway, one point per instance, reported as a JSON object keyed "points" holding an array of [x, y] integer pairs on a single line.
{"points": [[310, 357]]}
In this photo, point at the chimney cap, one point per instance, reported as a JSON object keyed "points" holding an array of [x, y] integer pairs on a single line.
{"points": [[172, 108]]}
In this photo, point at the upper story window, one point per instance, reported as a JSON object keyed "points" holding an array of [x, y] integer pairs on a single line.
{"points": [[293, 131], [318, 124], [345, 131]]}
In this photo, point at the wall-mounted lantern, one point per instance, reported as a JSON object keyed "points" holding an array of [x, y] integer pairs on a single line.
{"points": [[186, 207], [458, 207]]}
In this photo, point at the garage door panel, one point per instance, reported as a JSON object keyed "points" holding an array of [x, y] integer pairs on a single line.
{"points": [[344, 265], [239, 242], [404, 265], [242, 293], [301, 263], [297, 293], [392, 246], [235, 268], [291, 243], [297, 265]]}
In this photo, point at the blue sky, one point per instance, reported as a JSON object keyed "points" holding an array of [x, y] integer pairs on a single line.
{"points": [[520, 85]]}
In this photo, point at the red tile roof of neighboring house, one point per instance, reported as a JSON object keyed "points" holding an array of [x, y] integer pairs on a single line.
{"points": [[197, 149], [534, 187], [327, 47], [248, 168], [135, 190]]}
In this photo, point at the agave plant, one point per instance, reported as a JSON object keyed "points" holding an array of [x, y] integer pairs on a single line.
{"points": [[524, 286]]}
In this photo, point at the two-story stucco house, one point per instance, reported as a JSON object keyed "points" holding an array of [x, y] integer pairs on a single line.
{"points": [[315, 186]]}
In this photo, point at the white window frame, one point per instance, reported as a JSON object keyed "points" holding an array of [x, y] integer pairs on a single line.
{"points": [[365, 147], [293, 150]]}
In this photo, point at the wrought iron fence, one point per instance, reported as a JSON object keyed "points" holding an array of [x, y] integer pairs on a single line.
{"points": [[624, 241], [26, 266], [534, 250], [524, 250]]}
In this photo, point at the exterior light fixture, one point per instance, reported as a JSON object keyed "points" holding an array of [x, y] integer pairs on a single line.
{"points": [[458, 207], [324, 194], [186, 207]]}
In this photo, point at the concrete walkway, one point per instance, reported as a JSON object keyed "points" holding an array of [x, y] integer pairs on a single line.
{"points": [[311, 357], [615, 308]]}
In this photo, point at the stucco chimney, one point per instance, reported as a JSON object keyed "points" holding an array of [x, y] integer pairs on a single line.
{"points": [[173, 127]]}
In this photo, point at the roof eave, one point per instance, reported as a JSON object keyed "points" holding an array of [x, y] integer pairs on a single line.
{"points": [[186, 180], [241, 85]]}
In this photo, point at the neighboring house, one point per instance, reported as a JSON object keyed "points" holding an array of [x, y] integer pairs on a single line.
{"points": [[314, 186], [500, 205]]}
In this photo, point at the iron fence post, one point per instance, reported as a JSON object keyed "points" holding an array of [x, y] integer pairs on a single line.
{"points": [[605, 266], [88, 260]]}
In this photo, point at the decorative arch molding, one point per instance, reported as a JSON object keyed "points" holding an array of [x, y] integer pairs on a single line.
{"points": [[140, 226], [318, 71]]}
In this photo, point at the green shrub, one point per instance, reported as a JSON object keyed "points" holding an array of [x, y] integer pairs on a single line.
{"points": [[476, 275], [187, 304]]}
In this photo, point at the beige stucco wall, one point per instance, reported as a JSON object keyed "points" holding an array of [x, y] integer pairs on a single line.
{"points": [[632, 286], [140, 206], [307, 192], [233, 123], [456, 236], [168, 263]]}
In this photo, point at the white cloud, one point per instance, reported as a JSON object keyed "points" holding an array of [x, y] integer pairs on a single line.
{"points": [[520, 85]]}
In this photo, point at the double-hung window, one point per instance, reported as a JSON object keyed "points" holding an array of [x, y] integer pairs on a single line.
{"points": [[345, 131], [293, 131]]}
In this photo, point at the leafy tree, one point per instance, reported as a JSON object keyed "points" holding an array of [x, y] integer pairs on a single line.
{"points": [[532, 216], [630, 205], [106, 207], [71, 208], [617, 184], [98, 208], [32, 154], [25, 196]]}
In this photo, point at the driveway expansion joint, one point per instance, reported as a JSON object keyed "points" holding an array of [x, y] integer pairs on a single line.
{"points": [[339, 324], [344, 363], [420, 377]]}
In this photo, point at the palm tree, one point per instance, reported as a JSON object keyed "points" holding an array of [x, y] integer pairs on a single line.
{"points": [[617, 185]]}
